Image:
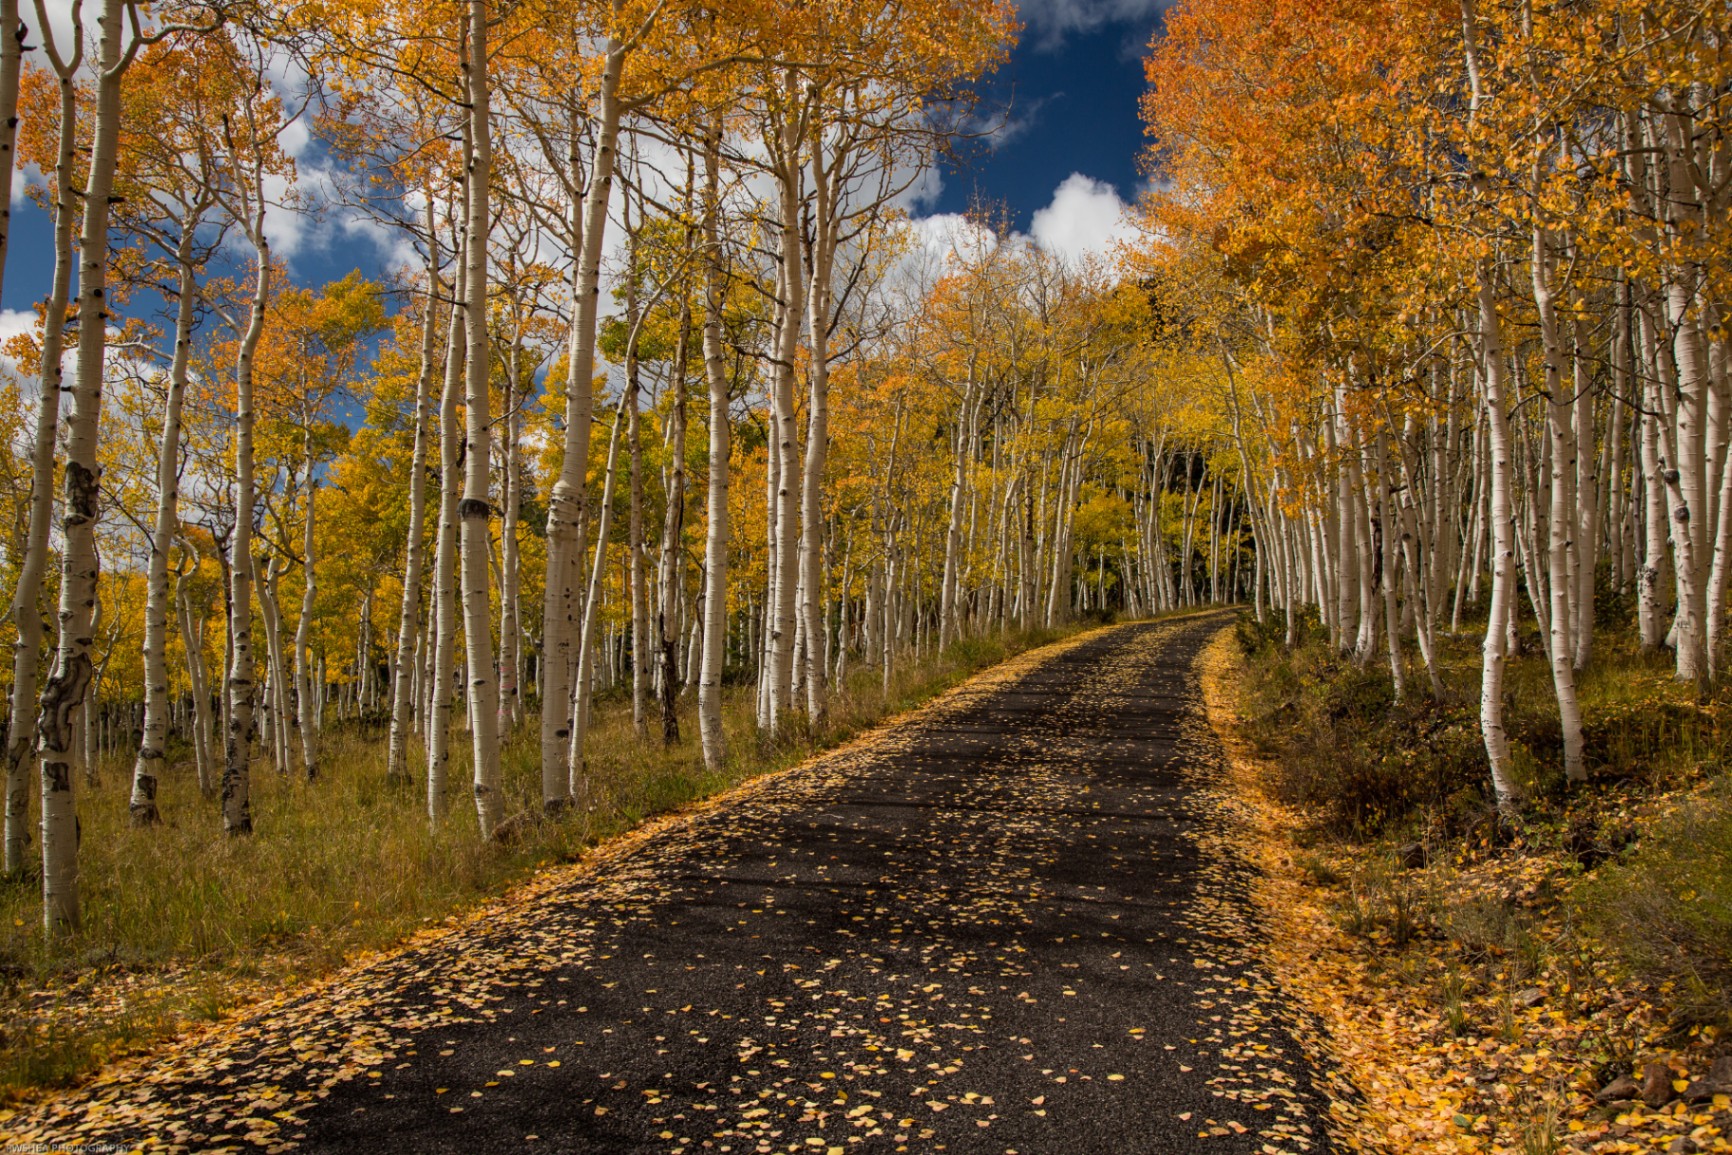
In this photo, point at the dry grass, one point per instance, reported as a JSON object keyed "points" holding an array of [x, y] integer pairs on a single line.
{"points": [[1488, 980], [182, 923]]}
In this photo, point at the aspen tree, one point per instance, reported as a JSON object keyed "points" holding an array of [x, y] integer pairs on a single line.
{"points": [[155, 728], [119, 39], [25, 611], [248, 207], [474, 509], [715, 607], [403, 669]]}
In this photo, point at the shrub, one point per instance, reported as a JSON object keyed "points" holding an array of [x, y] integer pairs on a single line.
{"points": [[1346, 750]]}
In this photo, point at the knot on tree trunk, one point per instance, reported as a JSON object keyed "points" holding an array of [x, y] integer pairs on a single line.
{"points": [[63, 694], [82, 488]]}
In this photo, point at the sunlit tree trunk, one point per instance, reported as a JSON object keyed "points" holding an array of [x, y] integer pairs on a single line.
{"points": [[64, 692], [566, 500], [408, 618], [155, 730], [475, 510], [26, 612], [715, 609], [444, 645]]}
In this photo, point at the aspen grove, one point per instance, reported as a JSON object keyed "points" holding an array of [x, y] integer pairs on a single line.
{"points": [[665, 397], [1464, 266]]}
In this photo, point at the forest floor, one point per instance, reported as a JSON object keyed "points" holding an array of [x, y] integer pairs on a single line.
{"points": [[1554, 989], [184, 925], [1014, 921]]}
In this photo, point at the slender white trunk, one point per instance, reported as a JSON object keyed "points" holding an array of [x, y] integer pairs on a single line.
{"points": [[790, 308], [566, 500], [408, 618], [192, 640], [579, 787], [475, 510], [444, 648], [510, 556], [715, 611], [1561, 517], [25, 610], [154, 733], [64, 692], [305, 725], [637, 591], [1504, 786]]}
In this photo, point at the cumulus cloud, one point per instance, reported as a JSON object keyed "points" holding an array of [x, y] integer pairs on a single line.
{"points": [[1085, 216]]}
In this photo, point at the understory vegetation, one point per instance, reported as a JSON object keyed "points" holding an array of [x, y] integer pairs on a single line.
{"points": [[190, 924], [1544, 958]]}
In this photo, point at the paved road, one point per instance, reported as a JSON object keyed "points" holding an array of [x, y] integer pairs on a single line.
{"points": [[1005, 925]]}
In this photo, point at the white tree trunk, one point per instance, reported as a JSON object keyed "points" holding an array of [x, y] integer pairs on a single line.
{"points": [[306, 728], [1561, 518], [565, 506], [408, 618], [637, 593], [64, 692], [1503, 592], [579, 788], [444, 647], [155, 729], [474, 510], [790, 308], [192, 640], [25, 610], [715, 611]]}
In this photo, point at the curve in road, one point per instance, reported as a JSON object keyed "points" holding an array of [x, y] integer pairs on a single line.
{"points": [[1004, 924]]}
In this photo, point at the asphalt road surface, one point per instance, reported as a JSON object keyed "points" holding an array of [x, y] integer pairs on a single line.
{"points": [[1005, 924]]}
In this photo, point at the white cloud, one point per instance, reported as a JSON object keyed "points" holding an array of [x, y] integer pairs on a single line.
{"points": [[22, 181], [1049, 21], [922, 191], [946, 234], [12, 323], [1086, 216]]}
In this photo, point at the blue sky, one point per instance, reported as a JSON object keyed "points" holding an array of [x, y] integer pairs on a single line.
{"points": [[1064, 162], [1071, 86]]}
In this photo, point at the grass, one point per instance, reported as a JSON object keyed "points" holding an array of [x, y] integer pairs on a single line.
{"points": [[1590, 936], [1669, 907], [1369, 767], [1607, 906], [182, 923]]}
